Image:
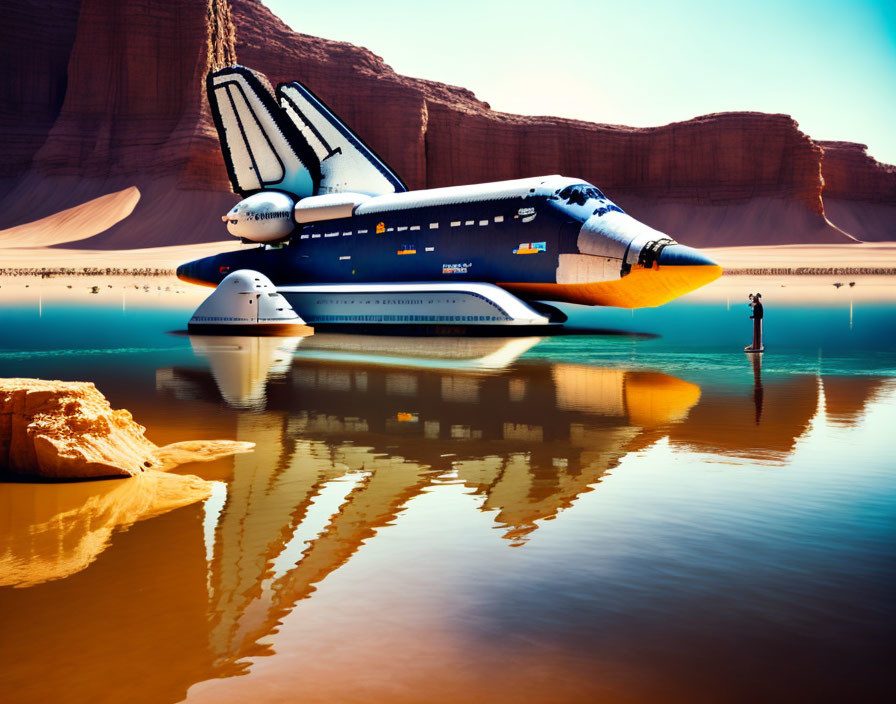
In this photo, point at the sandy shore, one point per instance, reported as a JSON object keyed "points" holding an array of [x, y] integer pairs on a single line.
{"points": [[119, 291], [127, 289], [863, 255], [815, 288], [73, 224], [819, 289]]}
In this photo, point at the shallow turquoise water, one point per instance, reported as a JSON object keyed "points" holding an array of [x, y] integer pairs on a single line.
{"points": [[646, 514]]}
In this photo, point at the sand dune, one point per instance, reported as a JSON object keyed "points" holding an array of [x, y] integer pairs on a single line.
{"points": [[75, 223], [871, 222]]}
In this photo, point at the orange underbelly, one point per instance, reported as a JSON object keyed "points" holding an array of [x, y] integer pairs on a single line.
{"points": [[641, 288]]}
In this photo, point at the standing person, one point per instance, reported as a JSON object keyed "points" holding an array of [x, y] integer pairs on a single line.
{"points": [[758, 314]]}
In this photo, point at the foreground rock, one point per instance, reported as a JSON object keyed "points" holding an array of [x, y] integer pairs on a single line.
{"points": [[67, 430]]}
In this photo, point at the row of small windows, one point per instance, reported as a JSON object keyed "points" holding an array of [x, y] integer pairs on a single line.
{"points": [[408, 318], [220, 319], [403, 228], [468, 223], [347, 257], [276, 215]]}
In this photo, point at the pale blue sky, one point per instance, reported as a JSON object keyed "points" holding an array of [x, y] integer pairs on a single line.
{"points": [[829, 64]]}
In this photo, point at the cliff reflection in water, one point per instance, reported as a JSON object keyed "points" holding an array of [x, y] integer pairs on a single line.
{"points": [[348, 431]]}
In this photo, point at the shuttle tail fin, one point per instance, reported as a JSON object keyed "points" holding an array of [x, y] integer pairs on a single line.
{"points": [[262, 147], [346, 163]]}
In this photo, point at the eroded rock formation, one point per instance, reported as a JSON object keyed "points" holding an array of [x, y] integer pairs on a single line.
{"points": [[111, 91], [67, 430]]}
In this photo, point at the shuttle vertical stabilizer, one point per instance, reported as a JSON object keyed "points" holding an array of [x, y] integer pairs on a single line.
{"points": [[262, 148], [346, 163]]}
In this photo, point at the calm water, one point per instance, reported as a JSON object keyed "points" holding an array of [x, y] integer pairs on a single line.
{"points": [[645, 516]]}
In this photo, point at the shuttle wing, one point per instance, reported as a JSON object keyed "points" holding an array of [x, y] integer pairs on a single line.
{"points": [[262, 147], [346, 163]]}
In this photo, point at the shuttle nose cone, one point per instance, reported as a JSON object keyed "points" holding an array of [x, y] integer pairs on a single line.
{"points": [[680, 255], [680, 269]]}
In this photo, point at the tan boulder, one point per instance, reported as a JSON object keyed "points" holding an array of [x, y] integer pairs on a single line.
{"points": [[67, 430]]}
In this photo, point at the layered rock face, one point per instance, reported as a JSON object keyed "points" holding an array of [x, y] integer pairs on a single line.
{"points": [[130, 117], [67, 430], [116, 100], [37, 39]]}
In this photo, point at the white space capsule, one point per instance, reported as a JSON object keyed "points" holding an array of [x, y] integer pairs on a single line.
{"points": [[246, 301]]}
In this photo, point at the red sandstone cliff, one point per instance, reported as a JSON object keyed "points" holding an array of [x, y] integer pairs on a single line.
{"points": [[106, 94]]}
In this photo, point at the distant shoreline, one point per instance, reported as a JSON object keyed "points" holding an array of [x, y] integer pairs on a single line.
{"points": [[857, 259], [54, 272], [158, 286], [810, 271], [49, 273]]}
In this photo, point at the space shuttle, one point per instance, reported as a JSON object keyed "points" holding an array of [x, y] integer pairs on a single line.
{"points": [[343, 240]]}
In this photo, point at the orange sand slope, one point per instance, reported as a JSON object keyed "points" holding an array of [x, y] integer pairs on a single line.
{"points": [[73, 224]]}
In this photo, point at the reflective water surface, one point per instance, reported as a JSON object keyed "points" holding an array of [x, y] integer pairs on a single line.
{"points": [[625, 518]]}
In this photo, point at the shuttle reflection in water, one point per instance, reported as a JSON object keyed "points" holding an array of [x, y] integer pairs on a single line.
{"points": [[530, 439], [343, 445]]}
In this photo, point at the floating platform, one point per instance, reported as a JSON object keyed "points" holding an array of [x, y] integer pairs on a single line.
{"points": [[450, 308]]}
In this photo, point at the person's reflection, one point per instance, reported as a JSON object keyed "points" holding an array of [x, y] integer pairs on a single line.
{"points": [[756, 361]]}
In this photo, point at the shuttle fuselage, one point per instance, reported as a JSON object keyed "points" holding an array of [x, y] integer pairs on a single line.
{"points": [[526, 236]]}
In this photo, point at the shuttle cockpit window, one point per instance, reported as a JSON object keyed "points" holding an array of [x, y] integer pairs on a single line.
{"points": [[581, 193], [584, 200]]}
